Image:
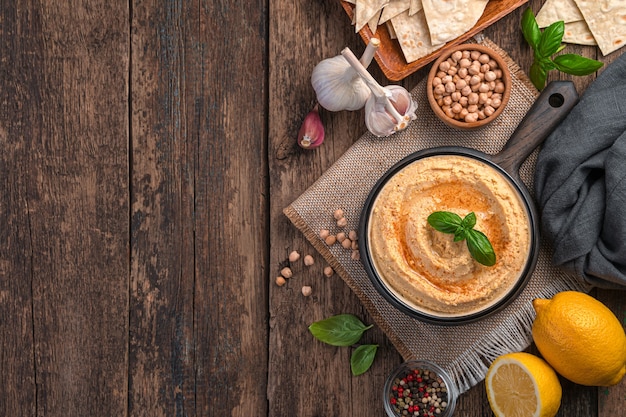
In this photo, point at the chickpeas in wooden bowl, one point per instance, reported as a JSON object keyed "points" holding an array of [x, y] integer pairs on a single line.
{"points": [[469, 86]]}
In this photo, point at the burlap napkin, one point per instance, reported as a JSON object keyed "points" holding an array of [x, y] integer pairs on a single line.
{"points": [[465, 351]]}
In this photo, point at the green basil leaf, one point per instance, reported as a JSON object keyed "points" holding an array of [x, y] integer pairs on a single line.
{"points": [[551, 38], [362, 359], [576, 65], [530, 28], [469, 221], [538, 75], [445, 221], [480, 248], [460, 234], [339, 330]]}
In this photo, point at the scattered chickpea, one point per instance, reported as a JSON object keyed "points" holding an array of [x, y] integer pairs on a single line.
{"points": [[355, 255], [324, 233], [341, 236], [352, 235], [347, 243], [338, 214], [280, 281], [286, 272], [328, 271], [342, 222], [330, 240], [308, 260], [307, 290], [294, 256]]}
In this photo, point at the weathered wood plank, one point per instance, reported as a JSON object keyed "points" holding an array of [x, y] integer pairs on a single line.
{"points": [[64, 136], [198, 253]]}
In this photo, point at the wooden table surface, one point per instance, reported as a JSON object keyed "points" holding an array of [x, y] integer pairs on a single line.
{"points": [[147, 150]]}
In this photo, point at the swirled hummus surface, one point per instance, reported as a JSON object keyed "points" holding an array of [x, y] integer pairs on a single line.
{"points": [[427, 268]]}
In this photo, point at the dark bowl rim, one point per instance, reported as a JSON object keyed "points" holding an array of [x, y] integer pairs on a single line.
{"points": [[396, 301]]}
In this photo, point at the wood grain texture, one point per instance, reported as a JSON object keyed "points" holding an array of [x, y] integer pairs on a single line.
{"points": [[64, 139], [198, 284]]}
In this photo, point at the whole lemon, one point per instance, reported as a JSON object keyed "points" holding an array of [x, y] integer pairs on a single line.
{"points": [[580, 338]]}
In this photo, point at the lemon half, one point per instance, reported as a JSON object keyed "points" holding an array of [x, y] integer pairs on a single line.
{"points": [[522, 385]]}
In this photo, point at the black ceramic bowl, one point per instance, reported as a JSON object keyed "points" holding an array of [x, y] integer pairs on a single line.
{"points": [[547, 112]]}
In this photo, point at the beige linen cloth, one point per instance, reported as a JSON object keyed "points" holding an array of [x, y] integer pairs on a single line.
{"points": [[466, 350]]}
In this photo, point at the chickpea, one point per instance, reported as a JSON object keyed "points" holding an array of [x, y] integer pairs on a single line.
{"points": [[484, 68], [488, 110], [347, 243], [447, 101], [483, 88], [465, 63], [493, 64], [448, 111], [462, 72], [446, 79], [294, 256], [460, 84], [463, 113], [456, 96], [499, 88], [352, 235], [475, 55], [463, 101], [342, 222], [472, 98], [484, 58], [456, 108], [328, 271], [441, 74], [436, 81], [465, 54], [440, 89], [444, 66], [452, 71], [307, 290], [466, 91], [324, 233], [338, 214], [286, 272], [482, 98], [474, 80], [496, 102], [308, 260], [473, 70], [356, 255], [456, 56], [330, 240], [490, 76], [471, 117], [341, 236], [450, 87], [472, 108], [280, 281], [481, 115]]}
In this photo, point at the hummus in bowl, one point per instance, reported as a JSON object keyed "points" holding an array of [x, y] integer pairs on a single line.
{"points": [[425, 272]]}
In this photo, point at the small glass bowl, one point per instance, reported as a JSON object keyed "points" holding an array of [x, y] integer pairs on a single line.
{"points": [[425, 375]]}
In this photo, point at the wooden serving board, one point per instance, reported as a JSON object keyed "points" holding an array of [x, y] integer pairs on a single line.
{"points": [[390, 57]]}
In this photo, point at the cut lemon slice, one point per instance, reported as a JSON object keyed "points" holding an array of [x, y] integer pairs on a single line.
{"points": [[522, 385]]}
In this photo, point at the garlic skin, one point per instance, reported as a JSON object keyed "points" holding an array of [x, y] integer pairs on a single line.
{"points": [[384, 120], [311, 134], [337, 85]]}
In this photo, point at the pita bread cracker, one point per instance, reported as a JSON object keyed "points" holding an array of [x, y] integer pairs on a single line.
{"points": [[578, 32], [373, 23], [416, 6], [366, 10], [449, 19], [394, 8], [413, 36], [607, 22], [555, 10]]}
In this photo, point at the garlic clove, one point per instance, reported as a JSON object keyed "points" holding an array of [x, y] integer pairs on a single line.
{"points": [[311, 134]]}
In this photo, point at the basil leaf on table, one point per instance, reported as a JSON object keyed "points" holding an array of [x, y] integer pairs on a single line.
{"points": [[339, 330], [362, 358], [576, 65], [530, 28], [547, 43], [551, 38]]}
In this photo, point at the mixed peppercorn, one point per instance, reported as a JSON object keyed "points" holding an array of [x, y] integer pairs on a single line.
{"points": [[419, 392]]}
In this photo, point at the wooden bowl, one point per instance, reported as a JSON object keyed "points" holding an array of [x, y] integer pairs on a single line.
{"points": [[487, 115]]}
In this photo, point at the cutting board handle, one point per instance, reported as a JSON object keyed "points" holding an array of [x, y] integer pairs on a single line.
{"points": [[553, 104]]}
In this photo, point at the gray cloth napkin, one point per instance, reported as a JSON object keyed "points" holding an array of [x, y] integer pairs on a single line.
{"points": [[580, 183]]}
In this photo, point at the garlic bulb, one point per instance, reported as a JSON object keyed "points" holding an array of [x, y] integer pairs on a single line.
{"points": [[389, 109], [338, 86]]}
